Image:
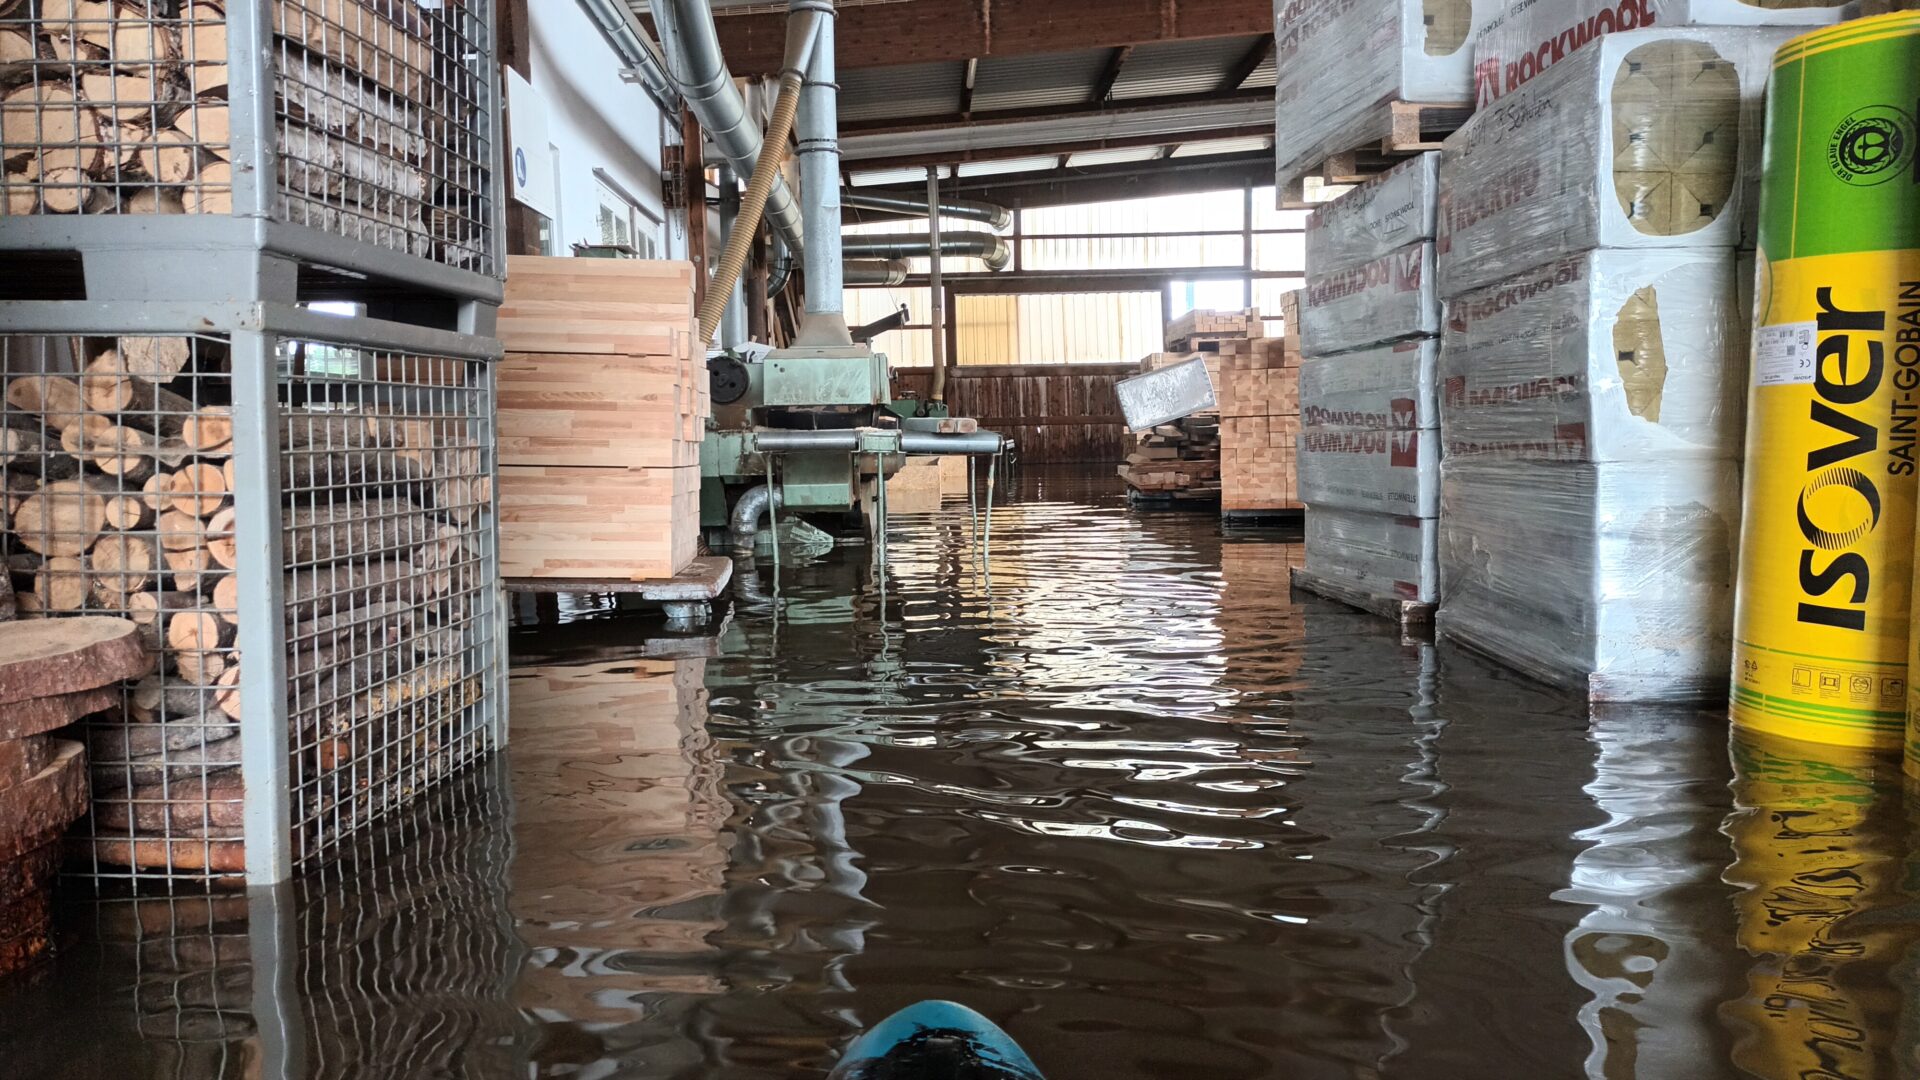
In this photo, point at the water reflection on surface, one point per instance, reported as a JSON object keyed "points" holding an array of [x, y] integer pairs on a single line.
{"points": [[1123, 793]]}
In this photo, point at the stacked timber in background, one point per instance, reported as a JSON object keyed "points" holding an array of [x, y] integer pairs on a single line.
{"points": [[1053, 414], [1592, 366], [120, 498], [602, 406], [1178, 462], [1259, 393], [1369, 444], [52, 674], [122, 106]]}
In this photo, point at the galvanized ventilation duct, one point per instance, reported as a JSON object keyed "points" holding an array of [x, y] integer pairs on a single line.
{"points": [[990, 214], [692, 45], [991, 249]]}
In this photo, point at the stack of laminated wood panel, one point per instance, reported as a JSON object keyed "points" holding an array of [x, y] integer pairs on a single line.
{"points": [[1259, 393], [603, 403], [1176, 462], [51, 675]]}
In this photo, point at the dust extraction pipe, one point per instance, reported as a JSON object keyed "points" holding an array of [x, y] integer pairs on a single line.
{"points": [[692, 48], [744, 523], [992, 215], [802, 30], [818, 146], [875, 272], [993, 250]]}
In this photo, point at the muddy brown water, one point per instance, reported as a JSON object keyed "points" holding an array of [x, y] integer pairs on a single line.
{"points": [[1124, 794]]}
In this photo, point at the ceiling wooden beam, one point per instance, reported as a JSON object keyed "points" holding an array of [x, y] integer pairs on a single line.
{"points": [[1003, 153], [1103, 89], [934, 31], [907, 124], [1248, 63], [1105, 183]]}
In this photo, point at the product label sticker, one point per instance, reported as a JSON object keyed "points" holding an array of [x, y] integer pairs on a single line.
{"points": [[1783, 354]]}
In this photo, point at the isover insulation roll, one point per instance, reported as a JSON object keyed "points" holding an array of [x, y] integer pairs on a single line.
{"points": [[1529, 36], [1616, 578], [1612, 355], [1826, 560], [1389, 211], [1634, 141], [1384, 299], [1340, 61]]}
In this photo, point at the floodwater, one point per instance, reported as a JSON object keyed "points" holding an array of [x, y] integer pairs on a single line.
{"points": [[1115, 788]]}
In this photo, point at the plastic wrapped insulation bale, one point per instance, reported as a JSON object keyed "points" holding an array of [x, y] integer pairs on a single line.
{"points": [[1614, 355], [1371, 456], [1527, 37], [1341, 61], [1386, 386], [1644, 139], [1389, 211], [1384, 299], [1616, 579], [1383, 556]]}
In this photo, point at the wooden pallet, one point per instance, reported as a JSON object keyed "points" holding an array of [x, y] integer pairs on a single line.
{"points": [[1597, 687], [1411, 615], [1412, 127], [1260, 518]]}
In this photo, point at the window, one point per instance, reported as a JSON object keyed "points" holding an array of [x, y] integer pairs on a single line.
{"points": [[623, 225]]}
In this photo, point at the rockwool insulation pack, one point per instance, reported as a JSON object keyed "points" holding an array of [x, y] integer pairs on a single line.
{"points": [[1389, 211], [1643, 139], [1616, 579], [1386, 386], [1383, 299], [1370, 456], [1381, 556], [1341, 61], [1527, 37], [1611, 355]]}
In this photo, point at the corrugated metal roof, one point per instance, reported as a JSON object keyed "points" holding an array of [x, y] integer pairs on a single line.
{"points": [[1209, 147], [1113, 157], [902, 90], [1266, 75], [1166, 120], [1179, 67], [1025, 82]]}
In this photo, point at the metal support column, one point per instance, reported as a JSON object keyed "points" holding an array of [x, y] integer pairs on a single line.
{"points": [[265, 755], [936, 297]]}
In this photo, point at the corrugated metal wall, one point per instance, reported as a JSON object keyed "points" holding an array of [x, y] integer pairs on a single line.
{"points": [[1058, 328]]}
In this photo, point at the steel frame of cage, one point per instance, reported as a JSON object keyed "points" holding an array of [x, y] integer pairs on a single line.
{"points": [[139, 255], [253, 331]]}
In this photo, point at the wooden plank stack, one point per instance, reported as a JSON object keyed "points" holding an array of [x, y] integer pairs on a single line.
{"points": [[1178, 462], [116, 107], [52, 674], [1259, 392], [602, 406]]}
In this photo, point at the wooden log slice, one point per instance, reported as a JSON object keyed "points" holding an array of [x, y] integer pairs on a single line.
{"points": [[172, 767], [26, 931], [199, 489], [28, 873], [63, 585], [209, 431], [34, 813], [192, 855], [22, 719], [110, 743], [40, 658], [180, 531], [228, 698], [193, 569], [63, 518], [203, 802], [157, 698], [22, 759], [221, 545], [155, 359]]}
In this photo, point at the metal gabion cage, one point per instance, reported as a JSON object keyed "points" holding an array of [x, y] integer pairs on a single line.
{"points": [[372, 121], [301, 524]]}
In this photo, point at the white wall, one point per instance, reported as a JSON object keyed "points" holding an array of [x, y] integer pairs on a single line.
{"points": [[596, 120]]}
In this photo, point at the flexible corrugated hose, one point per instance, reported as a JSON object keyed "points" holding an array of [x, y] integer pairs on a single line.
{"points": [[746, 227]]}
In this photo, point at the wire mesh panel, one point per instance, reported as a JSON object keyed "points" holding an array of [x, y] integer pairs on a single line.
{"points": [[118, 496], [388, 472], [381, 115], [117, 454]]}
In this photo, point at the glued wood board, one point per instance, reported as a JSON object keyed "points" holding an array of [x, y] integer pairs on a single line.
{"points": [[562, 522], [628, 306], [597, 410]]}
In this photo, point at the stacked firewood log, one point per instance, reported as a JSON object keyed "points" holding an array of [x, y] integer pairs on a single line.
{"points": [[120, 496], [51, 675], [121, 106]]}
